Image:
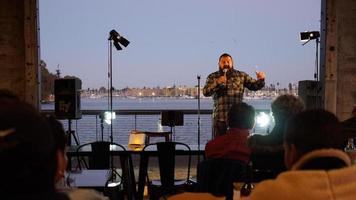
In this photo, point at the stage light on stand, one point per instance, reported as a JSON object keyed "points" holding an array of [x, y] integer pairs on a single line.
{"points": [[108, 116], [306, 37], [117, 46], [114, 38], [118, 39], [309, 35], [124, 41], [262, 119]]}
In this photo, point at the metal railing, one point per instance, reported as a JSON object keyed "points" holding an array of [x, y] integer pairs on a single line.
{"points": [[91, 127]]}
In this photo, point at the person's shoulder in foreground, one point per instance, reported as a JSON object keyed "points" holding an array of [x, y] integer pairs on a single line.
{"points": [[311, 184], [85, 194], [318, 168], [195, 196]]}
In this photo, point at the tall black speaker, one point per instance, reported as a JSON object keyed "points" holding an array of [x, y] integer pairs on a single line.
{"points": [[309, 91], [67, 98]]}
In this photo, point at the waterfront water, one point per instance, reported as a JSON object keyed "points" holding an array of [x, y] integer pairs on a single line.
{"points": [[89, 128], [154, 103]]}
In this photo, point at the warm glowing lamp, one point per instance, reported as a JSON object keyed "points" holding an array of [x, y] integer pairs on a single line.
{"points": [[137, 140]]}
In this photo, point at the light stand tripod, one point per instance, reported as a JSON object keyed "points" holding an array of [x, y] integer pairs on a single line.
{"points": [[113, 170], [71, 133], [315, 35], [114, 38], [198, 77], [110, 88], [316, 75], [101, 116]]}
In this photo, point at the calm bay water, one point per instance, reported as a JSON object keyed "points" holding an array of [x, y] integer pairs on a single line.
{"points": [[90, 128], [154, 103]]}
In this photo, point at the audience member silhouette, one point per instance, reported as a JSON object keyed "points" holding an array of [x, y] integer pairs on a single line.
{"points": [[267, 150], [233, 144], [228, 154], [318, 168], [28, 154], [60, 141]]}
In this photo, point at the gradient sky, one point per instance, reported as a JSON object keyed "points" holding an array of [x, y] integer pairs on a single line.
{"points": [[174, 41]]}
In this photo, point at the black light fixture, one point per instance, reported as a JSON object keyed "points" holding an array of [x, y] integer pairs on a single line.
{"points": [[118, 39], [309, 35], [117, 46]]}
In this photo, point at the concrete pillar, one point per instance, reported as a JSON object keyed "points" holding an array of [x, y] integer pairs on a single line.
{"points": [[19, 49], [339, 67]]}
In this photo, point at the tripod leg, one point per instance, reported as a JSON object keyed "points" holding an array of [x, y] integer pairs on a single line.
{"points": [[173, 135], [69, 138], [70, 133], [75, 138]]}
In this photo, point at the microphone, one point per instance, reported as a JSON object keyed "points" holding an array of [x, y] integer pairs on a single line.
{"points": [[225, 70]]}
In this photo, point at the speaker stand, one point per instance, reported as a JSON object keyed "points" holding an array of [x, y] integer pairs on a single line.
{"points": [[71, 133], [173, 130], [198, 77]]}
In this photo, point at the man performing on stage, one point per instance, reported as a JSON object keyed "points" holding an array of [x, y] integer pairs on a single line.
{"points": [[227, 88]]}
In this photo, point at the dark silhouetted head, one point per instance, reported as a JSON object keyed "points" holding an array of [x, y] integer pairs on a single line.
{"points": [[285, 106], [27, 153], [312, 130], [241, 115]]}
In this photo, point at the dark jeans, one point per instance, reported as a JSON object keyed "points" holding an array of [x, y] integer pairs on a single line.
{"points": [[219, 128]]}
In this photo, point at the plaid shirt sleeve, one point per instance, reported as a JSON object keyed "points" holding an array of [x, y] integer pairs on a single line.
{"points": [[253, 84]]}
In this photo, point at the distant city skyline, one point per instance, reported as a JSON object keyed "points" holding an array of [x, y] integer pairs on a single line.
{"points": [[174, 41]]}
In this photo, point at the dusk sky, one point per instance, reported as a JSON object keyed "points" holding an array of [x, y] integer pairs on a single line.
{"points": [[174, 41]]}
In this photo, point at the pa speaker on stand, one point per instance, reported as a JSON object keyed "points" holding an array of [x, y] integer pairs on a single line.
{"points": [[67, 102]]}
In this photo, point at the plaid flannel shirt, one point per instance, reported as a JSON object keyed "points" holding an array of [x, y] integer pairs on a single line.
{"points": [[225, 96]]}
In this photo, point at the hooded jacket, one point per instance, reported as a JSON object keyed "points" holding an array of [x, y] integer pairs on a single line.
{"points": [[321, 174]]}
